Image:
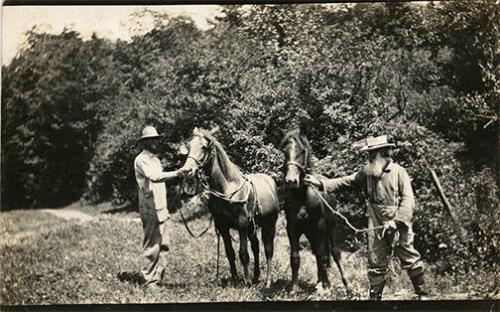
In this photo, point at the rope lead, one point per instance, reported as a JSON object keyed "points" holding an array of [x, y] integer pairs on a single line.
{"points": [[352, 227]]}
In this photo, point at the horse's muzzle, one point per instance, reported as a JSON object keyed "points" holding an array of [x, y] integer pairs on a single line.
{"points": [[302, 214], [292, 182]]}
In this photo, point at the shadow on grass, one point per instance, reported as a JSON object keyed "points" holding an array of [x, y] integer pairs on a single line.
{"points": [[174, 285], [134, 278], [124, 207], [283, 286], [119, 209]]}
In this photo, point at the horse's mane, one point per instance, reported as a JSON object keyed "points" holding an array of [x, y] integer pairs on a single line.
{"points": [[228, 168], [301, 140]]}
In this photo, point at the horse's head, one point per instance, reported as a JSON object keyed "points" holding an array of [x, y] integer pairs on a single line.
{"points": [[199, 149], [297, 152]]}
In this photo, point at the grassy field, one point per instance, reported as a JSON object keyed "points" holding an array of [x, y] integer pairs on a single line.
{"points": [[46, 259]]}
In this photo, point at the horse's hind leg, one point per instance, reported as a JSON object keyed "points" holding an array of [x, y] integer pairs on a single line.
{"points": [[231, 257], [337, 257], [268, 233], [254, 241]]}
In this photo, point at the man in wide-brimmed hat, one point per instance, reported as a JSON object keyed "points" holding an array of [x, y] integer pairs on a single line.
{"points": [[150, 179], [389, 194]]}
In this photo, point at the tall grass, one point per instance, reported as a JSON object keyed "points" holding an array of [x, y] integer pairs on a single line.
{"points": [[48, 260]]}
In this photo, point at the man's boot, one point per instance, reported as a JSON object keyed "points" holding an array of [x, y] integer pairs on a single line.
{"points": [[376, 291], [418, 282]]}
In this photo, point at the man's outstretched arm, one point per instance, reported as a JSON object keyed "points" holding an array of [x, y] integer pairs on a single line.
{"points": [[332, 185]]}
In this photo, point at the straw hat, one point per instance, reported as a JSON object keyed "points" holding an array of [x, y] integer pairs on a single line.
{"points": [[149, 132], [376, 143]]}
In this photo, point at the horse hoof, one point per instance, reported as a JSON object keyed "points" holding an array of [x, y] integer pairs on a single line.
{"points": [[321, 290], [295, 289], [349, 294]]}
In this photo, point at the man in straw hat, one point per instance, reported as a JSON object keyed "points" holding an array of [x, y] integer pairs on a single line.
{"points": [[150, 179], [390, 200]]}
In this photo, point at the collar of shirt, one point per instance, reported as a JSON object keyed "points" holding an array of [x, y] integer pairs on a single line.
{"points": [[390, 166], [148, 153]]}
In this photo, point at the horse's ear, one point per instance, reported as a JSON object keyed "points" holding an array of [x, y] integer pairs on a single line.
{"points": [[196, 130], [214, 130]]}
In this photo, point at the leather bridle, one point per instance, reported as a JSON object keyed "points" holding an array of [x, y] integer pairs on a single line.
{"points": [[201, 178], [304, 168]]}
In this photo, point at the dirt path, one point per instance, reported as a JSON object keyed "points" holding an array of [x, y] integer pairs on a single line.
{"points": [[69, 214]]}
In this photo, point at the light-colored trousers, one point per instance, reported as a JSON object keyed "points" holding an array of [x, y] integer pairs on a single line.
{"points": [[155, 234], [380, 250]]}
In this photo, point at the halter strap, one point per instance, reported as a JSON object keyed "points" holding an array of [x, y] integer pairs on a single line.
{"points": [[224, 196], [303, 167], [297, 164], [195, 160], [227, 196]]}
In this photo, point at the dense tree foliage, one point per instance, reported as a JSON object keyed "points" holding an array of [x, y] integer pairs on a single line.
{"points": [[427, 75], [48, 125]]}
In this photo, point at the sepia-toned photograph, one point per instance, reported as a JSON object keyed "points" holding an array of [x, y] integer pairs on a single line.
{"points": [[250, 153]]}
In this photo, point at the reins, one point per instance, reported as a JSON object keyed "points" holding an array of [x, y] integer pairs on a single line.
{"points": [[202, 233], [186, 224], [304, 169], [352, 227], [189, 230], [225, 196]]}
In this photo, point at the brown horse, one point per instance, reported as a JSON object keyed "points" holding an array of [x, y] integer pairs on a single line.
{"points": [[236, 201], [307, 214]]}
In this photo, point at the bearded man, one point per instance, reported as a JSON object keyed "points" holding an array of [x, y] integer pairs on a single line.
{"points": [[389, 194]]}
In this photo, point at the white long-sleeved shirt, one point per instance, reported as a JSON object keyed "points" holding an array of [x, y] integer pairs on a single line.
{"points": [[150, 179]]}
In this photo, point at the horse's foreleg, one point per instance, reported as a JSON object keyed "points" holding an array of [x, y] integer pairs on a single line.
{"points": [[294, 236], [268, 233], [319, 247], [337, 257], [244, 257], [254, 241], [231, 257]]}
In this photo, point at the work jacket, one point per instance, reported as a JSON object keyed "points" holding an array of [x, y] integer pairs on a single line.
{"points": [[389, 196]]}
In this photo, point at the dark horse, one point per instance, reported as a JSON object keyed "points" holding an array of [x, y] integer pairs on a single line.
{"points": [[307, 214], [236, 201]]}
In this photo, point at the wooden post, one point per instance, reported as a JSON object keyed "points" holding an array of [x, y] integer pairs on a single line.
{"points": [[458, 229]]}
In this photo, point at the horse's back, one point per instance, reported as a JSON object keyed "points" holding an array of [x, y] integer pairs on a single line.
{"points": [[266, 191]]}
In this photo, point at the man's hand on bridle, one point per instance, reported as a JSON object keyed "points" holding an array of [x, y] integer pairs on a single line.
{"points": [[184, 172], [312, 180]]}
